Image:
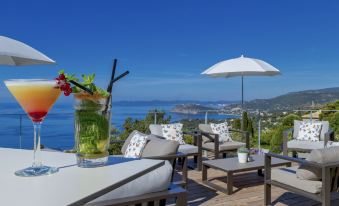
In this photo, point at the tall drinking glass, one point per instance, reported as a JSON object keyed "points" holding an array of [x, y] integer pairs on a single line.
{"points": [[36, 97]]}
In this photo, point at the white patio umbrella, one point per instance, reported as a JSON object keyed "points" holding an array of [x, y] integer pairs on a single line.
{"points": [[15, 53], [241, 66]]}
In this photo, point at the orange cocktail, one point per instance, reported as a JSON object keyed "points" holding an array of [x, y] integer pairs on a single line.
{"points": [[36, 97]]}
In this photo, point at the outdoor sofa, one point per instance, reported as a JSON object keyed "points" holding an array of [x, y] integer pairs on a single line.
{"points": [[155, 187], [316, 178], [294, 145], [211, 142], [187, 149]]}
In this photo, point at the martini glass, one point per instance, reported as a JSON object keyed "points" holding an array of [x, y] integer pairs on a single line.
{"points": [[36, 97]]}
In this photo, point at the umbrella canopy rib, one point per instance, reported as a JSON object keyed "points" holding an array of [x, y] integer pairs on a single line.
{"points": [[16, 53]]}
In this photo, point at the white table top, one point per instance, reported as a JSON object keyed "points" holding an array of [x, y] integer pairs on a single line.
{"points": [[69, 185]]}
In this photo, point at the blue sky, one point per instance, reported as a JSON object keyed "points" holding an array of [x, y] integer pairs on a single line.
{"points": [[167, 44]]}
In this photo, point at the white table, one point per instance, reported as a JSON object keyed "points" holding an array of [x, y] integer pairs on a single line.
{"points": [[71, 185]]}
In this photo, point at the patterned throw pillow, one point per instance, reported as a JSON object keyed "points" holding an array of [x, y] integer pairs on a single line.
{"points": [[222, 130], [136, 146], [309, 131], [173, 132]]}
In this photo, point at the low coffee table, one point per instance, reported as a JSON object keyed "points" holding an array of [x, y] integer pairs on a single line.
{"points": [[232, 165]]}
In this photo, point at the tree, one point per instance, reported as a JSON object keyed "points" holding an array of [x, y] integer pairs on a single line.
{"points": [[143, 125], [136, 124], [236, 124], [248, 124], [288, 121], [277, 132], [334, 122]]}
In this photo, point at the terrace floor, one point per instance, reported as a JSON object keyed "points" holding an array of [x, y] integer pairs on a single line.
{"points": [[248, 190]]}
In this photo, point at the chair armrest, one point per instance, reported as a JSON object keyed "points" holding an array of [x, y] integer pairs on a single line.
{"points": [[329, 136], [236, 130], [247, 136], [192, 133], [285, 140], [117, 141], [297, 160], [197, 138], [208, 135], [288, 131], [167, 157], [301, 161]]}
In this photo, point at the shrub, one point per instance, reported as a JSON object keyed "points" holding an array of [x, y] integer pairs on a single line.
{"points": [[288, 121], [277, 132], [277, 139]]}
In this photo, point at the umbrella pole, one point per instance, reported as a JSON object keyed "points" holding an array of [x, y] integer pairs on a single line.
{"points": [[242, 102], [242, 93]]}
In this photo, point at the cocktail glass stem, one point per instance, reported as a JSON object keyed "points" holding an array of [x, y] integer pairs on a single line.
{"points": [[37, 146]]}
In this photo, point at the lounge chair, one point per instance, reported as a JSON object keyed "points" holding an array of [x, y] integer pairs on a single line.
{"points": [[295, 145], [188, 149], [211, 142], [317, 178], [156, 186]]}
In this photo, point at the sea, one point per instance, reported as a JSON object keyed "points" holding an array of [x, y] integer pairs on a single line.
{"points": [[16, 130]]}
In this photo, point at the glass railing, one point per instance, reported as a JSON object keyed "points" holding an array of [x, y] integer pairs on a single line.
{"points": [[16, 131], [58, 131]]}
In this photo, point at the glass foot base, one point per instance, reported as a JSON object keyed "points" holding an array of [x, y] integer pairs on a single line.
{"points": [[89, 163], [36, 171]]}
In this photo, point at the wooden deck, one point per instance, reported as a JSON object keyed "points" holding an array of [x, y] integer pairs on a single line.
{"points": [[248, 190]]}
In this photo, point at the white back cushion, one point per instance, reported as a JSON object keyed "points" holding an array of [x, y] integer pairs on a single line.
{"points": [[309, 131], [222, 130], [136, 145], [156, 129], [173, 132]]}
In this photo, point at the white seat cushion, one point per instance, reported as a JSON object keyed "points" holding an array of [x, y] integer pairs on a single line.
{"points": [[288, 176], [142, 185], [296, 144], [188, 149], [226, 146]]}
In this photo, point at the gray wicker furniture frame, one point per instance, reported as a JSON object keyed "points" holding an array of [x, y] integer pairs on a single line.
{"points": [[197, 141], [232, 166], [329, 136], [177, 189], [330, 177], [215, 138], [155, 199], [172, 159]]}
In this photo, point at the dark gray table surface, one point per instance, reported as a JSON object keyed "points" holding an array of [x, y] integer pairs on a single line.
{"points": [[233, 165]]}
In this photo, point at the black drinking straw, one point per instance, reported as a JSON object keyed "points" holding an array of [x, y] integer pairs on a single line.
{"points": [[120, 76], [110, 85], [81, 87]]}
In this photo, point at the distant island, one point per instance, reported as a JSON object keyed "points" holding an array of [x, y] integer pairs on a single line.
{"points": [[192, 109]]}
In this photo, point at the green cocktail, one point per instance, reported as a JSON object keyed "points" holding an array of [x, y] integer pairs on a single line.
{"points": [[92, 129]]}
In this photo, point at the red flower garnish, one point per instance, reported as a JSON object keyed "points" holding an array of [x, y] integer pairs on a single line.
{"points": [[63, 85]]}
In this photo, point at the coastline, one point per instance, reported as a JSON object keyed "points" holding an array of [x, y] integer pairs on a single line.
{"points": [[58, 129]]}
